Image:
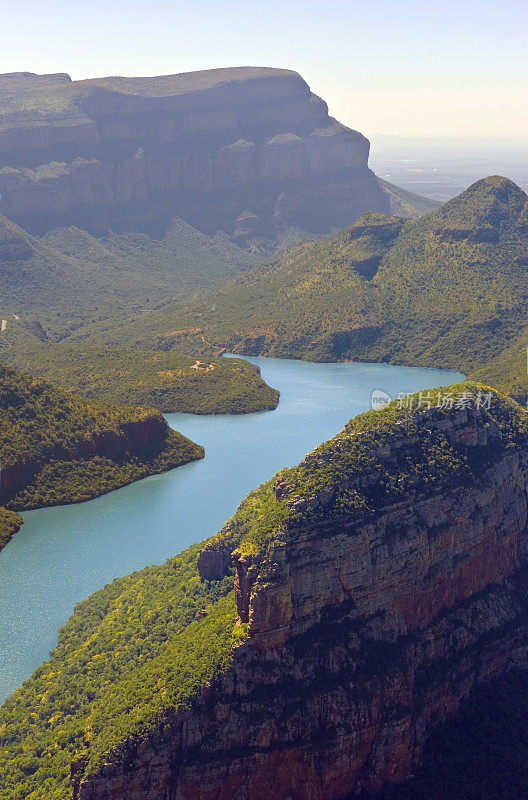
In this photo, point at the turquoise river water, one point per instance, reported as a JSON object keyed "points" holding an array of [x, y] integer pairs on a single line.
{"points": [[63, 554]]}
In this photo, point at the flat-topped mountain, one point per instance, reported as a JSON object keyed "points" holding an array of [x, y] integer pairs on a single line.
{"points": [[248, 150], [119, 195], [314, 643]]}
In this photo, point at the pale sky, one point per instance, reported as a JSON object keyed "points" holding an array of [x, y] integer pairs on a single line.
{"points": [[454, 67]]}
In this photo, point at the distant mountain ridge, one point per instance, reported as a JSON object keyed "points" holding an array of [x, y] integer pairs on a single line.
{"points": [[68, 276], [210, 146], [120, 195]]}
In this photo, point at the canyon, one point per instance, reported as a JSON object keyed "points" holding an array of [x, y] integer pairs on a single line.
{"points": [[395, 583], [313, 646]]}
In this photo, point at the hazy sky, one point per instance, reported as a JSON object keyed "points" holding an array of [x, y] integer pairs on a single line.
{"points": [[453, 67]]}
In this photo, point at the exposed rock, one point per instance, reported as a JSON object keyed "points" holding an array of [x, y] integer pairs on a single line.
{"points": [[131, 437], [364, 631], [214, 560], [245, 150]]}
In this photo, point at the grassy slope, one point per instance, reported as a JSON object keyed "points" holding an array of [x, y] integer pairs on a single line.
{"points": [[407, 204], [74, 279], [450, 290], [302, 291], [65, 441], [137, 650], [39, 99]]}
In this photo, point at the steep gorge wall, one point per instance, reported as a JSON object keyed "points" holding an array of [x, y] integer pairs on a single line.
{"points": [[364, 631], [210, 147]]}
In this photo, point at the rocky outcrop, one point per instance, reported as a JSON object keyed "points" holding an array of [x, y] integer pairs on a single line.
{"points": [[130, 438], [246, 150], [365, 628], [214, 559]]}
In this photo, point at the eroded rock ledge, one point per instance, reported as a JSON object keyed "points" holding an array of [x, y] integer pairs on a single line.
{"points": [[365, 627]]}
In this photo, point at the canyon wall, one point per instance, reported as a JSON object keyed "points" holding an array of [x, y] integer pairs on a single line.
{"points": [[366, 628], [247, 150]]}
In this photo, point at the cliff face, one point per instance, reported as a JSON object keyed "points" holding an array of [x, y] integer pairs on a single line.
{"points": [[246, 150], [365, 627]]}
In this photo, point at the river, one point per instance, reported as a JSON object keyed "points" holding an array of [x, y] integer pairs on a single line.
{"points": [[63, 554]]}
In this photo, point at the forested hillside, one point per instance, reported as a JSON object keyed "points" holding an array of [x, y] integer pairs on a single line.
{"points": [[164, 380], [447, 290], [56, 447]]}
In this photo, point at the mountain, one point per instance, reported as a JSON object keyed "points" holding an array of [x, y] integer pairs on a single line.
{"points": [[247, 150], [447, 290], [59, 448], [123, 195], [69, 277], [316, 642]]}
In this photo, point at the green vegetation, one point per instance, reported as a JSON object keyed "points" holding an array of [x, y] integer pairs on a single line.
{"points": [[68, 278], [10, 523], [447, 290], [144, 646], [407, 204], [139, 648], [38, 99], [162, 380], [58, 448], [69, 281], [431, 461]]}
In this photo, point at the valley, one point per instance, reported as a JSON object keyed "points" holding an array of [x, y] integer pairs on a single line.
{"points": [[70, 551], [448, 290], [207, 245]]}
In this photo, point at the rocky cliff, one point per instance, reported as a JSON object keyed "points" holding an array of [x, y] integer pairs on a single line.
{"points": [[379, 582], [247, 150]]}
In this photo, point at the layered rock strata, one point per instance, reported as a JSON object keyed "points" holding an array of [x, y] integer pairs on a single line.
{"points": [[247, 150], [367, 624]]}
